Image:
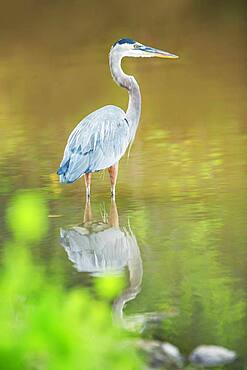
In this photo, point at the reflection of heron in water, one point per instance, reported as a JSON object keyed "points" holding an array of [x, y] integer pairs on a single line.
{"points": [[100, 248]]}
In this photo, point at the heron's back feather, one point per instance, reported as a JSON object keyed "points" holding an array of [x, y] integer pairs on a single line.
{"points": [[96, 143]]}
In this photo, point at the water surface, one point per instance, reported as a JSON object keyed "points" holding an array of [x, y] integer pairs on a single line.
{"points": [[182, 191]]}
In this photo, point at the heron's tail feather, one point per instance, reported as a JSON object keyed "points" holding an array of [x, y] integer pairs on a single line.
{"points": [[73, 168], [63, 168]]}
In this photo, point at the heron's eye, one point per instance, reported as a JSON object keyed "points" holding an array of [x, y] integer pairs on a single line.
{"points": [[136, 46]]}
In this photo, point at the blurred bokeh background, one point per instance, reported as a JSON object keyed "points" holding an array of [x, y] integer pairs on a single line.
{"points": [[183, 189]]}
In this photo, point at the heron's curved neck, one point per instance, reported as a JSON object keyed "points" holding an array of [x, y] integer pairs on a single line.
{"points": [[128, 82]]}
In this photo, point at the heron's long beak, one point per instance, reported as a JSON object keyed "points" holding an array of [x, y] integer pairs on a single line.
{"points": [[157, 53]]}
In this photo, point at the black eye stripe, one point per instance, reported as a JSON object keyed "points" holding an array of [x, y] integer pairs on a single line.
{"points": [[124, 41]]}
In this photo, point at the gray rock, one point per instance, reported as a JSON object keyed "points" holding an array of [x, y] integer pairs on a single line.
{"points": [[210, 356], [161, 354], [173, 353]]}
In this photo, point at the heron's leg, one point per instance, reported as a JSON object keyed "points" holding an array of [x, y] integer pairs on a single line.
{"points": [[88, 177], [113, 172]]}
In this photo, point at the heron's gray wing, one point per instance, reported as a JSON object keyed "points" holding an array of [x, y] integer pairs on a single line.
{"points": [[97, 142]]}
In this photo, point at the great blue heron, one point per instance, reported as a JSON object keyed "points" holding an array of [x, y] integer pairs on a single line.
{"points": [[101, 139]]}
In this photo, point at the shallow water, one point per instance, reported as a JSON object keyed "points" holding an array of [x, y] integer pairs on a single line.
{"points": [[182, 192]]}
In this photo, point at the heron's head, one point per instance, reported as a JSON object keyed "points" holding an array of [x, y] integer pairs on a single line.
{"points": [[131, 48]]}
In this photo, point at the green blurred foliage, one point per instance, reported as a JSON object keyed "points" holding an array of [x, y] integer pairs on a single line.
{"points": [[44, 326], [109, 286], [27, 216]]}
